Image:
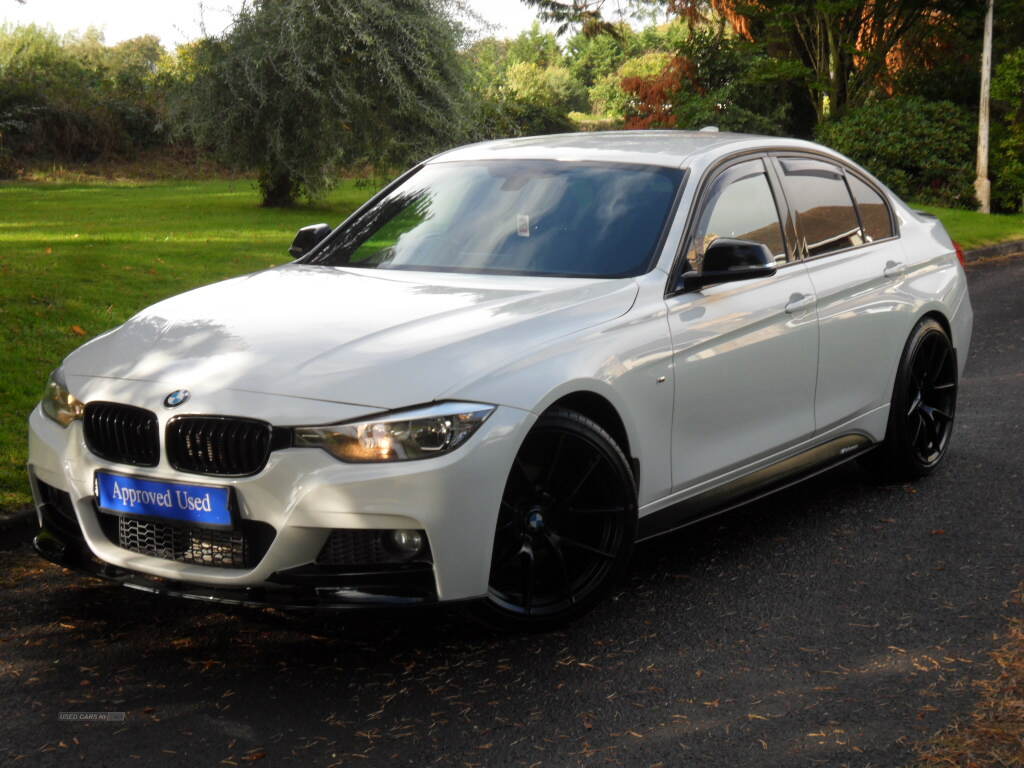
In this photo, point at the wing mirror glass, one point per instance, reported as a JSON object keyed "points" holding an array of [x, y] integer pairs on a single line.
{"points": [[307, 238], [727, 260]]}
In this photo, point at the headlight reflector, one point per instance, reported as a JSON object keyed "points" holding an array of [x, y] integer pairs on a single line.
{"points": [[401, 436], [58, 403]]}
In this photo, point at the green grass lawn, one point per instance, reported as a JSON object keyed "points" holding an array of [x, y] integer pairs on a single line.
{"points": [[78, 259], [973, 230]]}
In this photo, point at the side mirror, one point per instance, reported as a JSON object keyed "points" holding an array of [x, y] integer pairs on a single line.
{"points": [[307, 238], [727, 260]]}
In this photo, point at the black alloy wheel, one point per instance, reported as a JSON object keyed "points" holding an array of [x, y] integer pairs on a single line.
{"points": [[923, 405], [566, 526]]}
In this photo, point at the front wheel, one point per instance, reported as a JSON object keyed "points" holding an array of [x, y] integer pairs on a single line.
{"points": [[566, 526], [923, 406]]}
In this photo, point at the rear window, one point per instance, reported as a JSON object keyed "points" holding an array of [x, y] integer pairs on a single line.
{"points": [[827, 219], [530, 217], [874, 213]]}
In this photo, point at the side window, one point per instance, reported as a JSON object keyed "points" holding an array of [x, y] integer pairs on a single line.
{"points": [[874, 213], [740, 206], [824, 211]]}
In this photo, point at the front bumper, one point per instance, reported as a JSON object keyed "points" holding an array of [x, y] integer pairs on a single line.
{"points": [[302, 494], [296, 590]]}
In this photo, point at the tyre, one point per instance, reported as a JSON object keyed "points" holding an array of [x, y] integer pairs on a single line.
{"points": [[923, 406], [565, 528]]}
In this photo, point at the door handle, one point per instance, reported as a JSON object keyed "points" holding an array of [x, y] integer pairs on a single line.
{"points": [[797, 302], [894, 269]]}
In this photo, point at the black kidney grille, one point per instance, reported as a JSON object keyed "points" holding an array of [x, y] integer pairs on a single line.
{"points": [[122, 433], [217, 445]]}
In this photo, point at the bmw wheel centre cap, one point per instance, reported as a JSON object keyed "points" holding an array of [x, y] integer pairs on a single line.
{"points": [[177, 397]]}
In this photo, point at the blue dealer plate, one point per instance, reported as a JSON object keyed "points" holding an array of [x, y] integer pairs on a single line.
{"points": [[199, 504]]}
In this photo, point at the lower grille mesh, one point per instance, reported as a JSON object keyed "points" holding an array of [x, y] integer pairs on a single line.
{"points": [[198, 546], [240, 548]]}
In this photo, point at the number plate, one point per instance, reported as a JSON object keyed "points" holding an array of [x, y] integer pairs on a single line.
{"points": [[197, 504]]}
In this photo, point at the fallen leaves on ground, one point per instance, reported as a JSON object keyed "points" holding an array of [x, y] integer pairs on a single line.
{"points": [[993, 735]]}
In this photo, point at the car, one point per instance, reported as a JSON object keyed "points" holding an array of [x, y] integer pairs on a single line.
{"points": [[513, 363]]}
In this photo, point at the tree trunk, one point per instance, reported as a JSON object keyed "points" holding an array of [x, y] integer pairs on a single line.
{"points": [[278, 189], [982, 185]]}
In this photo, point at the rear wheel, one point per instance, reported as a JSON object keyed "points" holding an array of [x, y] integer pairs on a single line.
{"points": [[923, 406], [566, 526]]}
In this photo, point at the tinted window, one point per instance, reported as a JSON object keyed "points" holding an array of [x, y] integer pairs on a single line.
{"points": [[824, 210], [874, 213], [741, 206], [532, 217]]}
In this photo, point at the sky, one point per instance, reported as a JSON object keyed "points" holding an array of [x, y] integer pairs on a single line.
{"points": [[176, 21]]}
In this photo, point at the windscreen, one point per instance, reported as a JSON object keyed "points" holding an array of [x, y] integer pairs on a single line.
{"points": [[533, 217]]}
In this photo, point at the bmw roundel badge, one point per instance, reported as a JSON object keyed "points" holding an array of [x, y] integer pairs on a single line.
{"points": [[177, 397]]}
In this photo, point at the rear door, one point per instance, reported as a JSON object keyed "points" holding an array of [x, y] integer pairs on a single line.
{"points": [[847, 238], [745, 353]]}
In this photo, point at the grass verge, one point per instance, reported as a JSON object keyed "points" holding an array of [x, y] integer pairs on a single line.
{"points": [[78, 259], [973, 230], [993, 735]]}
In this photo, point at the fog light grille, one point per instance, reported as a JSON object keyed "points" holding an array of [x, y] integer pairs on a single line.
{"points": [[367, 548]]}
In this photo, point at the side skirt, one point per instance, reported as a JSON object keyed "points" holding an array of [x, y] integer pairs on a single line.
{"points": [[754, 486]]}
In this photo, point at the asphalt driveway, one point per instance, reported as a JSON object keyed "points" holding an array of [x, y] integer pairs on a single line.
{"points": [[833, 624]]}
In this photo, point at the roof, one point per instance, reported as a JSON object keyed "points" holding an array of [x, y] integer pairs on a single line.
{"points": [[668, 148]]}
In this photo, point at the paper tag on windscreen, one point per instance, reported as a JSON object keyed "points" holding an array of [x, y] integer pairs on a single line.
{"points": [[523, 225]]}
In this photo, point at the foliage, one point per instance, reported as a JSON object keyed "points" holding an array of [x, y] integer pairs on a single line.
{"points": [[299, 89], [847, 46], [920, 149], [74, 98], [521, 87], [535, 47], [552, 86], [713, 79], [593, 57], [610, 99], [1008, 157]]}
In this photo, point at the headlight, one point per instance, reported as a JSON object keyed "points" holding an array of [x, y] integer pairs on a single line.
{"points": [[59, 404], [401, 436]]}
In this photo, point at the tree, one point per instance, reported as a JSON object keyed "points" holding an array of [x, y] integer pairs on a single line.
{"points": [[846, 45], [298, 89], [535, 47], [713, 79]]}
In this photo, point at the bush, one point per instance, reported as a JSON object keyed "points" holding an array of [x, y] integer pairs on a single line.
{"points": [[73, 98], [922, 150], [1008, 133]]}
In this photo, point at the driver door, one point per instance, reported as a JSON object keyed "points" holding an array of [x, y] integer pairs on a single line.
{"points": [[745, 354]]}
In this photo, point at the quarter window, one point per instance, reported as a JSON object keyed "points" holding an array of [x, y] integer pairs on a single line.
{"points": [[825, 213], [874, 213], [741, 206]]}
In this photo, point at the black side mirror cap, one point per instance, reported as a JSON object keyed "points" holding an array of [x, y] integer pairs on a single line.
{"points": [[694, 281], [727, 260], [308, 238]]}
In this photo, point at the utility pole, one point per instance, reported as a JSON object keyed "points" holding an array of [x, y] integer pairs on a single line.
{"points": [[982, 185]]}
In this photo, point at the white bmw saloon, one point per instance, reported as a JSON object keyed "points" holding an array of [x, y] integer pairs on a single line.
{"points": [[513, 363]]}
